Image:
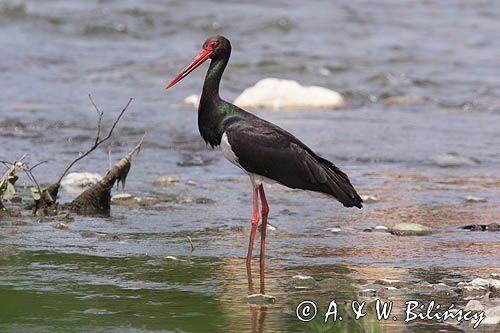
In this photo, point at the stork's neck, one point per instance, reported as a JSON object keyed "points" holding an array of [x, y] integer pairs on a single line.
{"points": [[212, 80]]}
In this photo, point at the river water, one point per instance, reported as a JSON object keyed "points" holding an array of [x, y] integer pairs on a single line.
{"points": [[420, 78]]}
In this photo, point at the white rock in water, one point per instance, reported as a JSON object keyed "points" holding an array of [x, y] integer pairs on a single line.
{"points": [[369, 198], [192, 100], [453, 160], [75, 181], [287, 94], [474, 305], [473, 199], [410, 229], [492, 316]]}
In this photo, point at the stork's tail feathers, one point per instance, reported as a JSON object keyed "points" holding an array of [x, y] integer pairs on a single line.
{"points": [[327, 178], [341, 187]]}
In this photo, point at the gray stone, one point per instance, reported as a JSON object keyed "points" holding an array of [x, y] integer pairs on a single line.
{"points": [[410, 229], [369, 199], [367, 292], [474, 305], [391, 283], [492, 317], [61, 226], [166, 181], [495, 288], [469, 291], [260, 299], [387, 292], [453, 160], [480, 283], [473, 199], [493, 227], [303, 282]]}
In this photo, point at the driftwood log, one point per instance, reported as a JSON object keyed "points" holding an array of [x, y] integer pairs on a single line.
{"points": [[97, 198]]}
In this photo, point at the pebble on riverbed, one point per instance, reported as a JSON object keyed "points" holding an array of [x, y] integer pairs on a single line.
{"points": [[479, 287], [303, 282], [110, 237], [410, 229], [474, 305], [453, 160], [473, 199], [269, 227], [166, 181], [369, 292], [260, 299], [482, 227], [61, 226], [126, 199], [367, 199]]}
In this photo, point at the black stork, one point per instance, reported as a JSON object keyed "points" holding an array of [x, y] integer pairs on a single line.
{"points": [[264, 151]]}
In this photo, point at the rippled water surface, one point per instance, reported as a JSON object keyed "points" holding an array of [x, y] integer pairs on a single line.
{"points": [[420, 78]]}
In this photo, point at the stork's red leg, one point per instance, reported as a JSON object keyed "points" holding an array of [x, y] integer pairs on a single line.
{"points": [[255, 221], [265, 213]]}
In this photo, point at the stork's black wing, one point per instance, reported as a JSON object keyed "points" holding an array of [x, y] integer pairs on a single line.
{"points": [[268, 150]]}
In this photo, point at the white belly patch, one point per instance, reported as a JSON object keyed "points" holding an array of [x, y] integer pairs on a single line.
{"points": [[227, 151], [229, 154]]}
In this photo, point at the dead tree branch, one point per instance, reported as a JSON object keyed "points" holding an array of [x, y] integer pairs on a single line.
{"points": [[54, 188], [97, 198]]}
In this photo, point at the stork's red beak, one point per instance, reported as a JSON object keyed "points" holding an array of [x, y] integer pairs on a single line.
{"points": [[197, 61]]}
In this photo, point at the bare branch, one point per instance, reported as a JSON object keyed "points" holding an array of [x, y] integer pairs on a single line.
{"points": [[98, 141], [99, 119], [38, 164]]}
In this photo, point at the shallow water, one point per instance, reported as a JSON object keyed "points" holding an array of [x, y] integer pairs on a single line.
{"points": [[420, 80]]}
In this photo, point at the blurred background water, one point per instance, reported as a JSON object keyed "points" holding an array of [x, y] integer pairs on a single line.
{"points": [[420, 79]]}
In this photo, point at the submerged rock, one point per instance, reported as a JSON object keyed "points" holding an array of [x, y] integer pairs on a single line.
{"points": [[368, 292], [474, 289], [387, 292], [166, 181], [495, 288], [74, 182], [110, 237], [260, 299], [88, 234], [492, 317], [404, 100], [474, 305], [473, 199], [369, 199], [453, 160], [126, 199], [482, 227], [276, 94], [334, 230], [61, 226], [303, 282], [410, 229], [269, 227], [391, 283], [493, 227]]}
